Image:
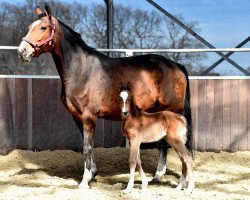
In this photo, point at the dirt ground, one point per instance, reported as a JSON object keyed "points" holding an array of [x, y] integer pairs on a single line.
{"points": [[56, 174]]}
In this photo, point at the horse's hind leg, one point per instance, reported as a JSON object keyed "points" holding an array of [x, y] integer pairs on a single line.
{"points": [[186, 179], [134, 150], [161, 167]]}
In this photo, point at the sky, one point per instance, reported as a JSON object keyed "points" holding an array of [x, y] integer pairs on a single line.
{"points": [[223, 23]]}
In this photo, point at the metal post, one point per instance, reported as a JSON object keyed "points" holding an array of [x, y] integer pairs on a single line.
{"points": [[109, 4], [197, 36]]}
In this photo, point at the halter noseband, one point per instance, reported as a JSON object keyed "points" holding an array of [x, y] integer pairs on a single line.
{"points": [[49, 40]]}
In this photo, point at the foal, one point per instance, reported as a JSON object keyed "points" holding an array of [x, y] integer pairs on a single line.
{"points": [[141, 127]]}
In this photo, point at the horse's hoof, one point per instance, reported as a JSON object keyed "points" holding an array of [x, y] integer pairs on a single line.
{"points": [[84, 185], [94, 174], [156, 179], [126, 191], [144, 189], [144, 185], [179, 187], [190, 189]]}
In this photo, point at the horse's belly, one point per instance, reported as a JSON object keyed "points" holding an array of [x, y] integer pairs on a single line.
{"points": [[110, 114], [153, 133]]}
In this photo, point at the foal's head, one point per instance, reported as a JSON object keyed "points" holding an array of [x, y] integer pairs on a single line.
{"points": [[125, 100], [40, 36]]}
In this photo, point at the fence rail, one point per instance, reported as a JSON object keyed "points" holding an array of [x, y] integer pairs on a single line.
{"points": [[130, 52], [33, 117], [156, 50]]}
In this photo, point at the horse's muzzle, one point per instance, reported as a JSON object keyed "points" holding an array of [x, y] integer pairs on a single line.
{"points": [[124, 114], [25, 51], [23, 56]]}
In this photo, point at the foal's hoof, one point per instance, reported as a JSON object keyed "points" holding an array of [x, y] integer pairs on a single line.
{"points": [[126, 191], [144, 189], [179, 187], [156, 179], [189, 191], [84, 185], [190, 188]]}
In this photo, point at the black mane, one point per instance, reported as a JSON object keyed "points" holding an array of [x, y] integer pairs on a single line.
{"points": [[75, 38]]}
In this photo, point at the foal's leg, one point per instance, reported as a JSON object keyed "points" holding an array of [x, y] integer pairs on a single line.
{"points": [[186, 179], [134, 150], [142, 174], [161, 167], [88, 141]]}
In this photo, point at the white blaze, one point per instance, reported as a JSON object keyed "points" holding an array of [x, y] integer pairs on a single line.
{"points": [[32, 26], [25, 45], [124, 96]]}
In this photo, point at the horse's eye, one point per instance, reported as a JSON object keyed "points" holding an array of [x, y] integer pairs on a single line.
{"points": [[43, 28]]}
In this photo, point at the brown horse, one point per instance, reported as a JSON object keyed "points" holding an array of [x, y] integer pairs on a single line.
{"points": [[90, 81], [140, 126]]}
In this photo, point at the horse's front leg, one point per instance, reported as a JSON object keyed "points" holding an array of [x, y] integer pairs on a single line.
{"points": [[161, 167], [142, 173], [88, 143], [134, 150]]}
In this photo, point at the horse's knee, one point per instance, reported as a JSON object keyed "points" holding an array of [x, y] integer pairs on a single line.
{"points": [[132, 162], [187, 156]]}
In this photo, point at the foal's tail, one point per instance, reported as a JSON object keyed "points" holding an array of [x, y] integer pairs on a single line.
{"points": [[187, 113]]}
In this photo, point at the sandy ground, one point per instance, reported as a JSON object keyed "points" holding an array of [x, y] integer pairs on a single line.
{"points": [[56, 174]]}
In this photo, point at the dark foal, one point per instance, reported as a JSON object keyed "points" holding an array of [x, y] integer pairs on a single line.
{"points": [[142, 127]]}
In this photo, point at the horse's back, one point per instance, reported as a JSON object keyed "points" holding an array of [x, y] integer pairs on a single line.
{"points": [[154, 79], [157, 84]]}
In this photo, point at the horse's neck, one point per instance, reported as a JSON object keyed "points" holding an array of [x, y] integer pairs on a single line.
{"points": [[70, 57], [134, 111]]}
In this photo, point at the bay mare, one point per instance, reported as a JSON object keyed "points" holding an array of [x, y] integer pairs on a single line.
{"points": [[90, 81]]}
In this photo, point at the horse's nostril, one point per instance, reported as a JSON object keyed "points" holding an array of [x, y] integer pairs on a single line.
{"points": [[19, 53]]}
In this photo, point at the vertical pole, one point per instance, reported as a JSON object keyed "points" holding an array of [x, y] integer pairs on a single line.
{"points": [[109, 11]]}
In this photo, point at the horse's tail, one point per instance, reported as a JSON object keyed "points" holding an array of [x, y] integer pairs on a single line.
{"points": [[187, 113]]}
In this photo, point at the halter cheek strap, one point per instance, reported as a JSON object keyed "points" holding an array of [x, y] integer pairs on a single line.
{"points": [[49, 40]]}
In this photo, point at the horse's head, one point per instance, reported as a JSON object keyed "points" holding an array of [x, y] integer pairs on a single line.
{"points": [[125, 100], [40, 36]]}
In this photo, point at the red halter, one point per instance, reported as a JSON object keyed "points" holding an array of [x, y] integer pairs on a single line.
{"points": [[49, 40]]}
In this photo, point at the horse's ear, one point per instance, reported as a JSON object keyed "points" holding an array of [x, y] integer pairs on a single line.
{"points": [[120, 87], [129, 86], [47, 11], [39, 11]]}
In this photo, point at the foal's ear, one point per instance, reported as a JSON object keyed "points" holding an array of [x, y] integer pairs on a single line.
{"points": [[129, 86], [39, 11], [47, 11], [120, 87]]}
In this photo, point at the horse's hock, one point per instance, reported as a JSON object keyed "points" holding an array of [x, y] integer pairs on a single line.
{"points": [[32, 116]]}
